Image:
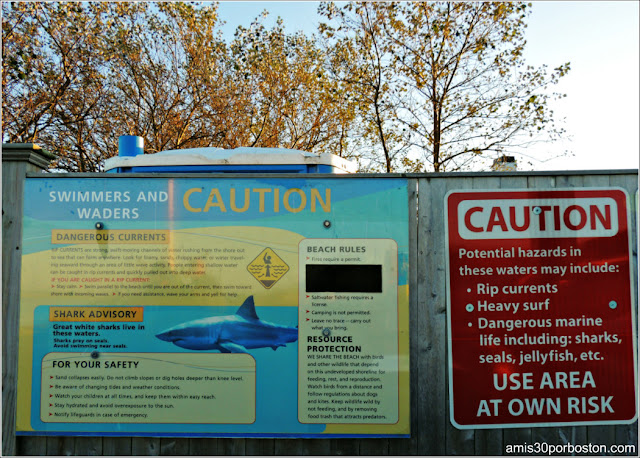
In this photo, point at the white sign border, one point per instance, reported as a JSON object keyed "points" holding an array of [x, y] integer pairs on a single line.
{"points": [[448, 294]]}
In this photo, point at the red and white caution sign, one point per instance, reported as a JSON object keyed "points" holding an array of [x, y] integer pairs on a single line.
{"points": [[540, 308]]}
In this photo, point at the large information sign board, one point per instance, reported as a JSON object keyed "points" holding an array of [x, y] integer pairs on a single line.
{"points": [[222, 307], [540, 308]]}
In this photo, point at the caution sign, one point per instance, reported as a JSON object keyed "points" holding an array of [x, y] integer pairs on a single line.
{"points": [[268, 268], [540, 308]]}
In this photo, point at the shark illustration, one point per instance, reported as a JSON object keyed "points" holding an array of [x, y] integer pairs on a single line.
{"points": [[231, 333]]}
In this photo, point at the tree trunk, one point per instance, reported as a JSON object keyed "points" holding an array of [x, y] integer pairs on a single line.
{"points": [[436, 137]]}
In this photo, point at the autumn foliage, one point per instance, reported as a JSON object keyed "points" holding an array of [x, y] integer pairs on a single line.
{"points": [[396, 86]]}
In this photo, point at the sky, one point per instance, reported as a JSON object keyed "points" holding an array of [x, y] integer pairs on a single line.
{"points": [[599, 38]]}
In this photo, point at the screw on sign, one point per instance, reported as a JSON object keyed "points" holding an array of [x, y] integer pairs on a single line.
{"points": [[540, 308]]}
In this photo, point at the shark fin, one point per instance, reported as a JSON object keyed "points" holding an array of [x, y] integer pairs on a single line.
{"points": [[248, 309], [230, 347], [275, 347]]}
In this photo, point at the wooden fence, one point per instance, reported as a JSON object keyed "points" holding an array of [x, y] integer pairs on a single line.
{"points": [[431, 431]]}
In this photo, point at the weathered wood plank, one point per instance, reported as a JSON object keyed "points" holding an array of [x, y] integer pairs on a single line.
{"points": [[61, 446], [259, 447], [628, 435], [17, 161], [203, 446], [12, 183], [88, 446], [593, 181], [32, 445], [311, 447], [116, 446], [457, 441], [375, 447], [540, 183], [343, 447], [516, 436], [145, 446], [288, 447], [174, 446], [432, 389], [512, 182], [231, 446], [426, 405]]}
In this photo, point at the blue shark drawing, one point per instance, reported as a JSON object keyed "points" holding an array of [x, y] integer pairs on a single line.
{"points": [[231, 333]]}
